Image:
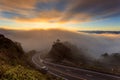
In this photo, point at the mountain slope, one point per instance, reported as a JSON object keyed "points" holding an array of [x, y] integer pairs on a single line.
{"points": [[13, 64]]}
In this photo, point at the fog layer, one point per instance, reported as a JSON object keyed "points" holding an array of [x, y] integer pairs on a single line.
{"points": [[94, 44]]}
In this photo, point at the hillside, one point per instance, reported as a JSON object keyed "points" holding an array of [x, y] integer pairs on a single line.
{"points": [[10, 52], [13, 64], [60, 52]]}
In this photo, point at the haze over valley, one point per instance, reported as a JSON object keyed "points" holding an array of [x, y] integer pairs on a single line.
{"points": [[93, 44], [59, 39]]}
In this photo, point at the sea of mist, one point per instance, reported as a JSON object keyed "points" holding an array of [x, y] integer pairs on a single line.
{"points": [[93, 44]]}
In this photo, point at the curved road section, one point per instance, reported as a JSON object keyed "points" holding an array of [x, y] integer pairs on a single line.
{"points": [[70, 73]]}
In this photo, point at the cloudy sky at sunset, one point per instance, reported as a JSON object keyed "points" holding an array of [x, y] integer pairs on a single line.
{"points": [[63, 14]]}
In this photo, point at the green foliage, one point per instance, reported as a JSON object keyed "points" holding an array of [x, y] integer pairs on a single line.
{"points": [[21, 73], [9, 48], [60, 52], [13, 64], [19, 48], [65, 51], [4, 68]]}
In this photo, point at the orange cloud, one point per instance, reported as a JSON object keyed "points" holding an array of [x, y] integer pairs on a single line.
{"points": [[18, 4], [21, 4], [58, 11], [44, 16], [22, 7], [55, 16]]}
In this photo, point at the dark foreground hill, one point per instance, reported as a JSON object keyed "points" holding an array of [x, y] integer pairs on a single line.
{"points": [[10, 52], [13, 64], [9, 47]]}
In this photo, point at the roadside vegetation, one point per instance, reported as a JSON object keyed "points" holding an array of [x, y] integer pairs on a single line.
{"points": [[14, 63]]}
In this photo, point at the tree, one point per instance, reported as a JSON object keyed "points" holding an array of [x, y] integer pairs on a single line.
{"points": [[59, 51], [105, 55]]}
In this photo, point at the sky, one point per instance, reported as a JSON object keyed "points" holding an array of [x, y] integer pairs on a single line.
{"points": [[60, 14]]}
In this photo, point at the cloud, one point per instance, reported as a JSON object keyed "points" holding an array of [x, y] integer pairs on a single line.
{"points": [[94, 44], [94, 8], [22, 7], [44, 16], [20, 4], [18, 7], [59, 10]]}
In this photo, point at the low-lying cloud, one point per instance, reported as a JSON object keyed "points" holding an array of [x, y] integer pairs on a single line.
{"points": [[95, 44]]}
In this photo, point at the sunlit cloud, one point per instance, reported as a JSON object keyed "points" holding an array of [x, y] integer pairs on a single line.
{"points": [[37, 14], [38, 26], [59, 10]]}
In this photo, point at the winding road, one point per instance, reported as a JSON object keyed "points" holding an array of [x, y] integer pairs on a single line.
{"points": [[71, 73]]}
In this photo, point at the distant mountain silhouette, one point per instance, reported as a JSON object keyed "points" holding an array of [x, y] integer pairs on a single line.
{"points": [[101, 32]]}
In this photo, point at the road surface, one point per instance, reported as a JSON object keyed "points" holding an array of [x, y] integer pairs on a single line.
{"points": [[71, 73]]}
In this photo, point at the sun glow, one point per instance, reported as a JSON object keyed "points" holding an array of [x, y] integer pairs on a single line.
{"points": [[38, 26]]}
